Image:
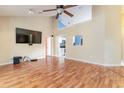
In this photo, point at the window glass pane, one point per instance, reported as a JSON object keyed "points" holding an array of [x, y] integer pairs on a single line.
{"points": [[60, 24], [77, 40]]}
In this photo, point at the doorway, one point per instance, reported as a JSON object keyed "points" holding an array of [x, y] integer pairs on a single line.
{"points": [[62, 46], [49, 46]]}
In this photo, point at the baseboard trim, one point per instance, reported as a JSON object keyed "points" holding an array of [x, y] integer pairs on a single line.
{"points": [[95, 63], [75, 59], [6, 63], [112, 65]]}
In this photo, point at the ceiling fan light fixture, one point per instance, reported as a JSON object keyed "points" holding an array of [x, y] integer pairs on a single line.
{"points": [[60, 10]]}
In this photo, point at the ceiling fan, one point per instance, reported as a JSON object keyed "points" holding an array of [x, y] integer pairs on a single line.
{"points": [[61, 9]]}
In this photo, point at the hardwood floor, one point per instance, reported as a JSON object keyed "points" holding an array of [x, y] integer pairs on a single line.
{"points": [[58, 72]]}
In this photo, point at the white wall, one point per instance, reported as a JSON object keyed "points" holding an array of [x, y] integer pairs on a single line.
{"points": [[122, 30], [5, 37], [92, 32], [8, 45], [104, 27], [113, 35]]}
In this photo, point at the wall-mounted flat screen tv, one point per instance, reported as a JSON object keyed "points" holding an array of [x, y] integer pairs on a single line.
{"points": [[28, 36]]}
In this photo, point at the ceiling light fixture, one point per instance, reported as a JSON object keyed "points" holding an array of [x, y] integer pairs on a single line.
{"points": [[60, 10]]}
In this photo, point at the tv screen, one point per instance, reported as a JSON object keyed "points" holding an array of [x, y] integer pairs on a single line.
{"points": [[28, 36]]}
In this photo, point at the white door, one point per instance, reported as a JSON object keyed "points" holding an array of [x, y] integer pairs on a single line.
{"points": [[49, 46]]}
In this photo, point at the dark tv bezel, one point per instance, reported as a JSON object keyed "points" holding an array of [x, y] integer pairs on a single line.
{"points": [[29, 31]]}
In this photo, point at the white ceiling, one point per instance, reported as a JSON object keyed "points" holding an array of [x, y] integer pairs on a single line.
{"points": [[23, 10]]}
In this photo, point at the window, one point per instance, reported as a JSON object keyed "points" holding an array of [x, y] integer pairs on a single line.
{"points": [[77, 40], [60, 23]]}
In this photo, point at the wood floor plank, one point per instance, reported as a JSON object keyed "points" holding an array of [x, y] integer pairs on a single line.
{"points": [[53, 72]]}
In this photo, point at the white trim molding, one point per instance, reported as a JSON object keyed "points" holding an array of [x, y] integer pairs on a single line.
{"points": [[6, 63], [95, 63], [75, 59]]}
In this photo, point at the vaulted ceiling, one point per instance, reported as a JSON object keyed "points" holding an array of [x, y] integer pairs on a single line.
{"points": [[24, 10]]}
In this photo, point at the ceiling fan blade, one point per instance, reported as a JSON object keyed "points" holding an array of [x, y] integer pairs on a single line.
{"points": [[49, 10], [69, 6], [57, 16], [66, 12]]}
